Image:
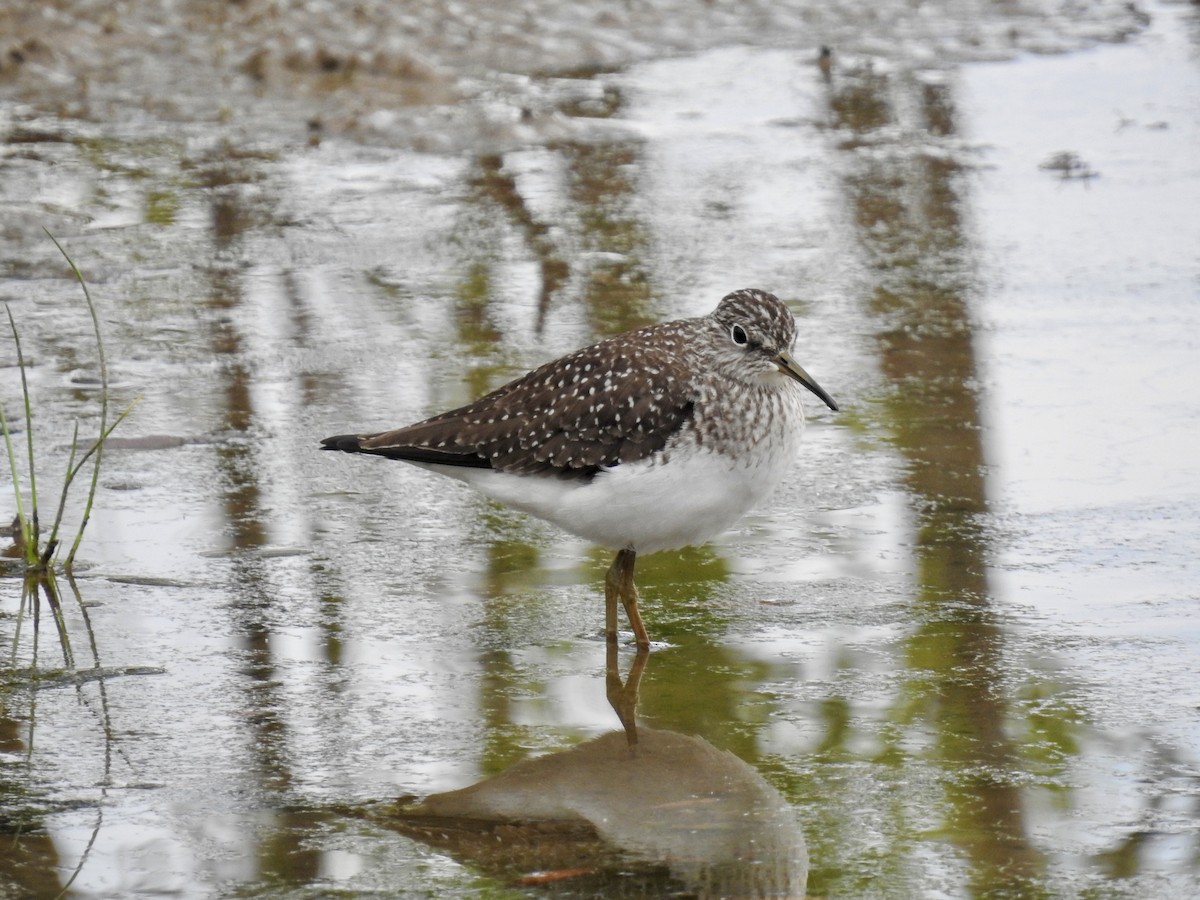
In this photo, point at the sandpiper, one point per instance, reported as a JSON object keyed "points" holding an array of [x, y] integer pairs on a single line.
{"points": [[654, 439]]}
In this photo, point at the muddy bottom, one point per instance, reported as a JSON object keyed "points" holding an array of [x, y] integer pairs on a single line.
{"points": [[954, 655]]}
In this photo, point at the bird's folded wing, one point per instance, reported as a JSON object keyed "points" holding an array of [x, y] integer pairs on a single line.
{"points": [[594, 408]]}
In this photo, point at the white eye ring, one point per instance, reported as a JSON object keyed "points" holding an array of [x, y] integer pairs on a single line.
{"points": [[738, 335]]}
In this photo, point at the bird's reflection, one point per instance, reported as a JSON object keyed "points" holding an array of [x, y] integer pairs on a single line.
{"points": [[639, 811], [623, 695]]}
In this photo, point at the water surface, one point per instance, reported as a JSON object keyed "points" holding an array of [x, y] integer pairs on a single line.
{"points": [[955, 656]]}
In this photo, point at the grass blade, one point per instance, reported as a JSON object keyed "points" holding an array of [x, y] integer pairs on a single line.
{"points": [[28, 525]]}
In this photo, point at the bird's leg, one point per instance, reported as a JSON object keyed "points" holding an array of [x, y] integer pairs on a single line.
{"points": [[618, 584], [623, 696], [611, 592]]}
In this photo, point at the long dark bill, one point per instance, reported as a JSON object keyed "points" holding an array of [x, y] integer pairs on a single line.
{"points": [[789, 366]]}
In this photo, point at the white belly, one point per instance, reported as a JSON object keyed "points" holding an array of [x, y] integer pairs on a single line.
{"points": [[651, 505]]}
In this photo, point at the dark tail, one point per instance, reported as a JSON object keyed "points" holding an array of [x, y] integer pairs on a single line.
{"points": [[352, 443]]}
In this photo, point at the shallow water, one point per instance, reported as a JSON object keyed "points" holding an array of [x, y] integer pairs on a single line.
{"points": [[956, 655]]}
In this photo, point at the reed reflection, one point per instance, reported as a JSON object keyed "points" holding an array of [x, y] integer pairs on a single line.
{"points": [[31, 866], [907, 208], [253, 597], [601, 230]]}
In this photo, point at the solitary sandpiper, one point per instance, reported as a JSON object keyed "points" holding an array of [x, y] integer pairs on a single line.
{"points": [[651, 440]]}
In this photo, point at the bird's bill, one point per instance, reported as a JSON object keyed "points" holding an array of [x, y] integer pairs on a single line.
{"points": [[790, 367]]}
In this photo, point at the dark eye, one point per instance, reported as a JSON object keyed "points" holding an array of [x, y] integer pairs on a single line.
{"points": [[739, 336]]}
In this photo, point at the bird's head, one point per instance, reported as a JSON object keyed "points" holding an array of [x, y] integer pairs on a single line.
{"points": [[756, 332]]}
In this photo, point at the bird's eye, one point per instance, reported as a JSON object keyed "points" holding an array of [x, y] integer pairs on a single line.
{"points": [[739, 336]]}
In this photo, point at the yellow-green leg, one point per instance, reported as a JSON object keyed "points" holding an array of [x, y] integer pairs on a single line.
{"points": [[618, 584]]}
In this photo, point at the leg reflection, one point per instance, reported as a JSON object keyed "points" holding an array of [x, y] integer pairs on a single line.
{"points": [[623, 696]]}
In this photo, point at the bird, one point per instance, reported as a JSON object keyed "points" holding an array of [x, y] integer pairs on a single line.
{"points": [[825, 62], [654, 439]]}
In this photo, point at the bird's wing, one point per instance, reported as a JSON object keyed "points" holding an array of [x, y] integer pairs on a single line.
{"points": [[601, 406]]}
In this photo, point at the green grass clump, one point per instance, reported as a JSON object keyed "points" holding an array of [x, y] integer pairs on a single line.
{"points": [[39, 555]]}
